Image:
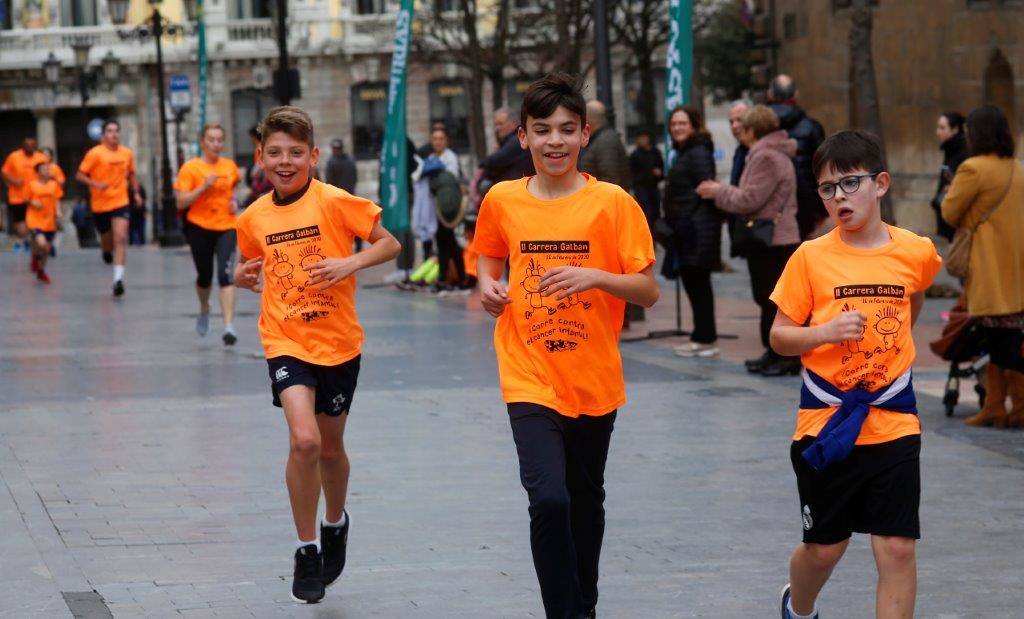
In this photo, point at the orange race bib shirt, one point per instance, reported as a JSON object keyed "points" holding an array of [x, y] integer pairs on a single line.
{"points": [[296, 319], [22, 167], [562, 354], [48, 193], [112, 167], [826, 277], [212, 209]]}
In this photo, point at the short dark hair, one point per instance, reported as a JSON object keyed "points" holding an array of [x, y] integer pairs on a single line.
{"points": [[111, 121], [847, 151], [955, 120], [290, 120], [988, 132], [545, 95]]}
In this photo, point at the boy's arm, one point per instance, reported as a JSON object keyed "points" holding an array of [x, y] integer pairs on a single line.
{"points": [[790, 339], [916, 305], [383, 247], [493, 293], [636, 288]]}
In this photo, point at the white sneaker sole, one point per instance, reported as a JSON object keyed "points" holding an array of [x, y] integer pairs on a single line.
{"points": [[292, 595]]}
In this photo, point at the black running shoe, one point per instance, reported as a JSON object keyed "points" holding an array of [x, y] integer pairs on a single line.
{"points": [[334, 541], [590, 614], [229, 338], [118, 288], [309, 569], [108, 257]]}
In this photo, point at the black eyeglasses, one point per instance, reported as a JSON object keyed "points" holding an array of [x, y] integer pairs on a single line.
{"points": [[849, 184]]}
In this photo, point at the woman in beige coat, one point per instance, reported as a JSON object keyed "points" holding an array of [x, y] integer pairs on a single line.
{"points": [[987, 196]]}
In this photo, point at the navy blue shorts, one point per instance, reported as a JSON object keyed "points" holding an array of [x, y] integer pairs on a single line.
{"points": [[102, 220], [335, 385], [47, 235]]}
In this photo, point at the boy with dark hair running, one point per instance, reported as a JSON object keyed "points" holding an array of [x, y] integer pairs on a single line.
{"points": [[847, 302], [578, 249], [299, 237]]}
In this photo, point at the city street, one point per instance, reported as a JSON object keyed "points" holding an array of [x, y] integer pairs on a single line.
{"points": [[142, 468]]}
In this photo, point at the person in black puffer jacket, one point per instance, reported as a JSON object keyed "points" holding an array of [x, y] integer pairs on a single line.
{"points": [[695, 248], [950, 131], [809, 134]]}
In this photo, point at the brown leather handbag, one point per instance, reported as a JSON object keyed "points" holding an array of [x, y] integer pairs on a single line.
{"points": [[958, 260]]}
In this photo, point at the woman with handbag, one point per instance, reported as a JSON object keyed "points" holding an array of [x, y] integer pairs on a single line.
{"points": [[765, 229], [694, 244], [985, 204]]}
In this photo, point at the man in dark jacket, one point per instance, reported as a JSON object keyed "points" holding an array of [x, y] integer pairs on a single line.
{"points": [[647, 168], [808, 134], [341, 170], [511, 161], [605, 156], [739, 156]]}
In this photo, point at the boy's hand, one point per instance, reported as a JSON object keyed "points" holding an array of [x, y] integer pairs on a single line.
{"points": [[209, 181], [494, 298], [331, 271], [35, 204], [100, 184], [247, 274], [845, 326], [233, 207], [570, 280]]}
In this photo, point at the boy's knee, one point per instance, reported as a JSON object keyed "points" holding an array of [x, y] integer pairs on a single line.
{"points": [[825, 556], [895, 550], [305, 446]]}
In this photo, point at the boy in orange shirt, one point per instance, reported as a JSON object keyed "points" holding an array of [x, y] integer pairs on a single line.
{"points": [[578, 249], [18, 171], [41, 217], [300, 238], [847, 302], [109, 170]]}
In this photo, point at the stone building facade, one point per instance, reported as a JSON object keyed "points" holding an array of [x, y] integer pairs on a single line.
{"points": [[930, 56]]}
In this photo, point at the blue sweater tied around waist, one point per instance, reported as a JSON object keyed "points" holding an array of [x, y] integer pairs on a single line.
{"points": [[836, 440]]}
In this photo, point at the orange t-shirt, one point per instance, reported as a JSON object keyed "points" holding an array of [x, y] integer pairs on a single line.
{"points": [[469, 256], [111, 166], [319, 327], [826, 277], [212, 209], [562, 354], [22, 167], [57, 173], [48, 194]]}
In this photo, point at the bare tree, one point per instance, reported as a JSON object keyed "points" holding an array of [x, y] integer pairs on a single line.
{"points": [[643, 29], [865, 111]]}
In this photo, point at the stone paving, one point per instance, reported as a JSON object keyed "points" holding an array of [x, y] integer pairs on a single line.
{"points": [[145, 464]]}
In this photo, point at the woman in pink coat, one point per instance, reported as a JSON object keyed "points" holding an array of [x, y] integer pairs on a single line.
{"points": [[767, 191]]}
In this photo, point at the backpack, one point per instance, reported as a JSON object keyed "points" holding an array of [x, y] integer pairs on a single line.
{"points": [[449, 202]]}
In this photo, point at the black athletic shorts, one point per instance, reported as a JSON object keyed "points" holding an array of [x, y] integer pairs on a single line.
{"points": [[334, 384], [102, 220], [877, 490], [18, 213], [49, 236]]}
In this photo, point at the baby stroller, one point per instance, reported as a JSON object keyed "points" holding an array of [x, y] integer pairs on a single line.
{"points": [[963, 345]]}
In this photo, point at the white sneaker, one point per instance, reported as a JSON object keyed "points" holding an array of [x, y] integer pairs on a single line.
{"points": [[694, 349]]}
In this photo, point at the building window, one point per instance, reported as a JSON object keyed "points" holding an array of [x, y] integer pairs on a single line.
{"points": [[514, 91], [370, 7], [789, 26], [248, 107], [982, 4], [249, 9], [78, 13], [449, 105], [634, 120], [5, 14], [369, 114]]}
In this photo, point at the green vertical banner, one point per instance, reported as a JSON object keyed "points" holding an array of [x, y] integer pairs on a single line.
{"points": [[394, 163], [679, 63], [201, 31]]}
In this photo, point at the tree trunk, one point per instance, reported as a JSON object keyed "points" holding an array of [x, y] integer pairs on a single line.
{"points": [[865, 112], [477, 134]]}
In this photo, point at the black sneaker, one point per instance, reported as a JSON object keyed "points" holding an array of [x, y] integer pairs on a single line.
{"points": [[784, 366], [334, 541], [118, 288], [309, 569], [108, 257], [229, 338], [756, 365]]}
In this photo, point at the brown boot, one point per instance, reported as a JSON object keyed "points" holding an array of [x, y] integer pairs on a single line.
{"points": [[1015, 385], [994, 410]]}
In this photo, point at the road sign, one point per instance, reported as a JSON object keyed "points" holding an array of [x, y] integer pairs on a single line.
{"points": [[181, 93]]}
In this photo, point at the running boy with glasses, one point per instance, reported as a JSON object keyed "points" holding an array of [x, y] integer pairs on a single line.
{"points": [[847, 302]]}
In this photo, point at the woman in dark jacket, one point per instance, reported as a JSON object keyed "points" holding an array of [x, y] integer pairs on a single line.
{"points": [[950, 131], [695, 248]]}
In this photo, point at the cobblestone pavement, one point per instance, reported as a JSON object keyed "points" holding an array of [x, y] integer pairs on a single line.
{"points": [[145, 464]]}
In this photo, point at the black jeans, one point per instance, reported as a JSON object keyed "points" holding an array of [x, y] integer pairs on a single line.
{"points": [[561, 465], [649, 199], [697, 283], [448, 250], [766, 268]]}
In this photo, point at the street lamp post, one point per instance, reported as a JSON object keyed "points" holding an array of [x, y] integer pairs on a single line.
{"points": [[171, 235], [81, 48], [603, 59]]}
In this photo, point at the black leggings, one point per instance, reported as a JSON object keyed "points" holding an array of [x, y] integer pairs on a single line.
{"points": [[697, 283], [448, 250], [207, 244], [766, 268]]}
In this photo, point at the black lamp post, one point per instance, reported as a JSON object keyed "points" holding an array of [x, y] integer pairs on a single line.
{"points": [[286, 79], [603, 59], [158, 27]]}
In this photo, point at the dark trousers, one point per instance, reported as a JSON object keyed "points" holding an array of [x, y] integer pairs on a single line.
{"points": [[649, 199], [448, 250], [561, 465], [1006, 347], [697, 283], [766, 268]]}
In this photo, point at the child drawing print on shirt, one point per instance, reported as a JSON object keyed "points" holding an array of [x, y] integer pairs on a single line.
{"points": [[854, 344], [309, 255], [531, 284], [283, 270], [888, 326], [573, 299]]}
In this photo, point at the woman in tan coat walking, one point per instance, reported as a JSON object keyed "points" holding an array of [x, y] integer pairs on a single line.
{"points": [[987, 197]]}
